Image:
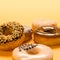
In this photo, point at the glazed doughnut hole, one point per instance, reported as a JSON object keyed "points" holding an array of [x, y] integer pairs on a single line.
{"points": [[33, 51], [30, 49], [6, 31]]}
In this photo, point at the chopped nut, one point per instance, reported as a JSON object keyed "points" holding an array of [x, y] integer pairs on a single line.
{"points": [[10, 32]]}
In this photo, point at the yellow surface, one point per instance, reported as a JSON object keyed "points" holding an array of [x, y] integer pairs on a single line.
{"points": [[25, 11]]}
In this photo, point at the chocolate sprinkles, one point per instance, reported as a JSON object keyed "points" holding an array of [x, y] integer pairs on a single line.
{"points": [[27, 46]]}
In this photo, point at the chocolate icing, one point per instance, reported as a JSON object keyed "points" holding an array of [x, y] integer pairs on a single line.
{"points": [[48, 31]]}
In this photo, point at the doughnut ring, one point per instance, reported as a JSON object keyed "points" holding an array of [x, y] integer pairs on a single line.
{"points": [[32, 52], [11, 35]]}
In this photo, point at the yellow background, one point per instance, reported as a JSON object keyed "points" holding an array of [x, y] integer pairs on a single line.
{"points": [[25, 11]]}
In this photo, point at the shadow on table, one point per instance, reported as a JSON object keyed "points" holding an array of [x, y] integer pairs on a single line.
{"points": [[55, 46], [6, 53]]}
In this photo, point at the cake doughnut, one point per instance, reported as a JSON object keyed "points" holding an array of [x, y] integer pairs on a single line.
{"points": [[46, 32], [32, 52], [11, 35], [28, 33]]}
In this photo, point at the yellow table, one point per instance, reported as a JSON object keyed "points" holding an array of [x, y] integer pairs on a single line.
{"points": [[25, 11], [7, 55]]}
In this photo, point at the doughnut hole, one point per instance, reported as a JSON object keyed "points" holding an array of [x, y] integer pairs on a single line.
{"points": [[33, 51], [7, 31]]}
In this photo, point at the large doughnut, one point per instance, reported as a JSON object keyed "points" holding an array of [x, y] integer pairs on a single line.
{"points": [[11, 35], [32, 52], [46, 32]]}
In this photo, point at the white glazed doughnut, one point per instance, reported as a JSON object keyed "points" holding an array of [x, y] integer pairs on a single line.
{"points": [[32, 52]]}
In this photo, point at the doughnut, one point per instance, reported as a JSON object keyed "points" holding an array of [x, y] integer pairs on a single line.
{"points": [[46, 32], [32, 52], [28, 33], [11, 35]]}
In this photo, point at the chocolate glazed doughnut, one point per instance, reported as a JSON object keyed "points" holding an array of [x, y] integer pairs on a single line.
{"points": [[11, 35], [46, 32]]}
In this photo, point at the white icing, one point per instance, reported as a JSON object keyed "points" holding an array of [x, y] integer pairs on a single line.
{"points": [[27, 29], [42, 22], [45, 53]]}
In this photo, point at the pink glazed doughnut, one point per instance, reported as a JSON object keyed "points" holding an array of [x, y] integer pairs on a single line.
{"points": [[32, 52]]}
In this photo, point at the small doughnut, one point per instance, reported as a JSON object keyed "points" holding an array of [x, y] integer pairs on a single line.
{"points": [[11, 35], [32, 52], [46, 32], [28, 33]]}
